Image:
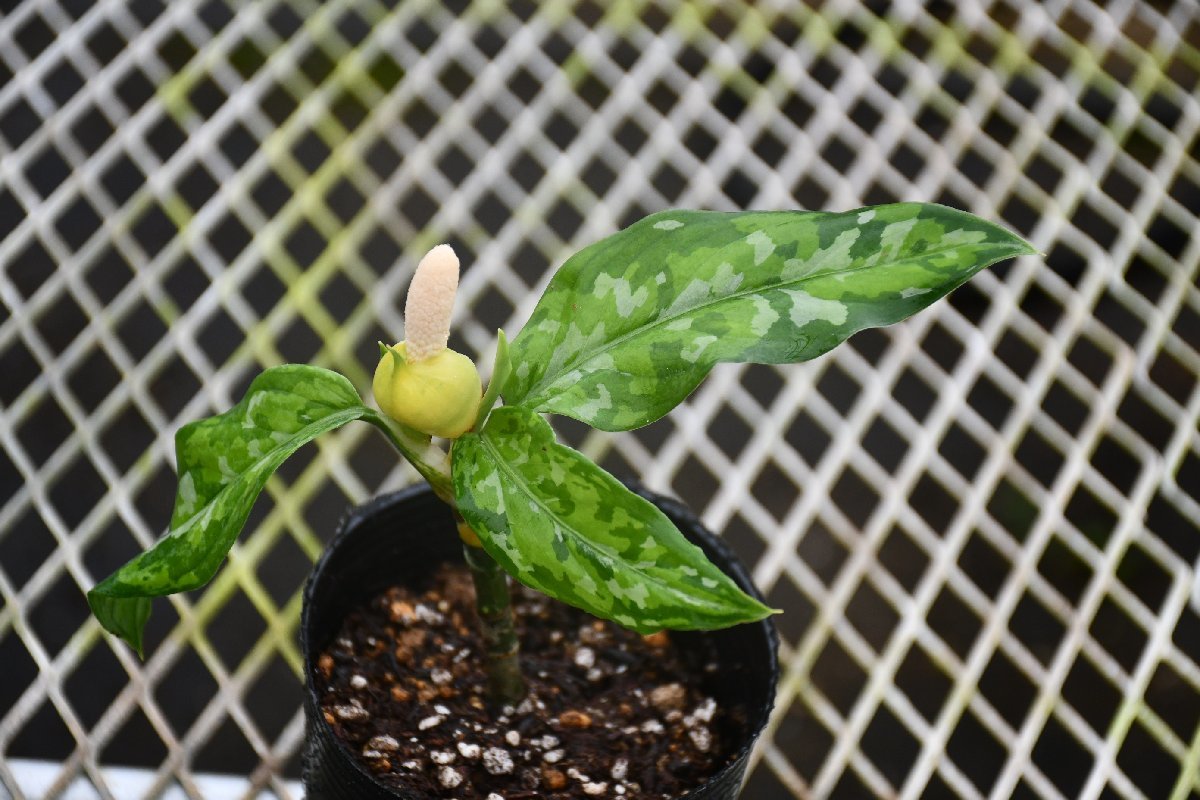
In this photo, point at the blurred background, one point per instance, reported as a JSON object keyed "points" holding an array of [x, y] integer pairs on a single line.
{"points": [[982, 523]]}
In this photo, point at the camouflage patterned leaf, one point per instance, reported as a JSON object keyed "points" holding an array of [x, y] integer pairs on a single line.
{"points": [[224, 462], [559, 523], [629, 326]]}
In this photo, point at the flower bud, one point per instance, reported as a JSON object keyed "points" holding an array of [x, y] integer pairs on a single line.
{"points": [[438, 395]]}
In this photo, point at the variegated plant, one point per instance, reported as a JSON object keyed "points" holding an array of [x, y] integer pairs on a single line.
{"points": [[626, 329]]}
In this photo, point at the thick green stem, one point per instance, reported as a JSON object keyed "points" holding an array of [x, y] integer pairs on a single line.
{"points": [[493, 602]]}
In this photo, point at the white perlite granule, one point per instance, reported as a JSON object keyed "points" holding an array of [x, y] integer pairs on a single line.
{"points": [[430, 722], [385, 743], [513, 738], [595, 789], [442, 757], [469, 750], [620, 769], [585, 657], [497, 761], [449, 777], [358, 682]]}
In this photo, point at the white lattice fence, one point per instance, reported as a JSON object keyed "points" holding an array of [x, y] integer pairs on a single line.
{"points": [[982, 523]]}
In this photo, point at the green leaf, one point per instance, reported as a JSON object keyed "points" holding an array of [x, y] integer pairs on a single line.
{"points": [[224, 462], [629, 326], [560, 524]]}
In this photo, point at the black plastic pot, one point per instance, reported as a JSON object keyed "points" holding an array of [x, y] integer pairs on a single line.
{"points": [[399, 538]]}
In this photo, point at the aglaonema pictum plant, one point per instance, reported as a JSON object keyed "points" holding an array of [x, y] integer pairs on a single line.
{"points": [[626, 329]]}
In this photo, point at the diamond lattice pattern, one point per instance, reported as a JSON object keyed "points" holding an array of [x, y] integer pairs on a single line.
{"points": [[981, 523]]}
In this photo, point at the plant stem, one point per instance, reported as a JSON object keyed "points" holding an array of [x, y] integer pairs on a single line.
{"points": [[493, 602]]}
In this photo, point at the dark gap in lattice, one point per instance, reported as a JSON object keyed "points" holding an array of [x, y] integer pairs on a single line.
{"points": [[24, 547], [1062, 758], [174, 386], [810, 195], [807, 437], [238, 626], [196, 186], [564, 219], [183, 709], [692, 60], [489, 212], [822, 553], [774, 489], [1016, 353], [1090, 360], [45, 736], [1145, 279], [990, 401], [854, 496], [271, 698], [345, 200], [220, 336], [1144, 761], [134, 89], [1168, 523], [901, 557], [1090, 516], [1039, 457], [1091, 694], [963, 452], [10, 482], [305, 243], [746, 539], [558, 49], [1116, 632], [226, 751], [729, 432], [669, 182], [1068, 410], [924, 681], [340, 296], [95, 683], [807, 744], [263, 290], [662, 97], [656, 435], [490, 124], [890, 746], [590, 89], [695, 485], [1145, 420], [986, 566], [62, 82], [30, 268], [1142, 147], [238, 145], [310, 151], [954, 622], [884, 444], [934, 503], [1145, 577], [1174, 699], [798, 614], [1094, 225], [105, 43], [1066, 571], [1008, 689], [529, 263], [1036, 627], [270, 193], [77, 491], [975, 751], [839, 155], [838, 676], [46, 170], [246, 58], [1118, 465], [126, 438], [299, 343], [493, 309], [1188, 475], [872, 616], [207, 97], [44, 430], [764, 784], [1173, 377], [60, 611], [153, 230]]}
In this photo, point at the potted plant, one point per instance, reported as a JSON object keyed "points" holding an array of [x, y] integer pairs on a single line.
{"points": [[625, 330]]}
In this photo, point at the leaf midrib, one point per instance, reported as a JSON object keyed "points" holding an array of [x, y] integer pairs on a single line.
{"points": [[542, 385]]}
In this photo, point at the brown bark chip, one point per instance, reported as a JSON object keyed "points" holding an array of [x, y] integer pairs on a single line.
{"points": [[609, 713]]}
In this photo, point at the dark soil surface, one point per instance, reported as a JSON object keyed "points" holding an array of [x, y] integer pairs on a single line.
{"points": [[609, 713]]}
